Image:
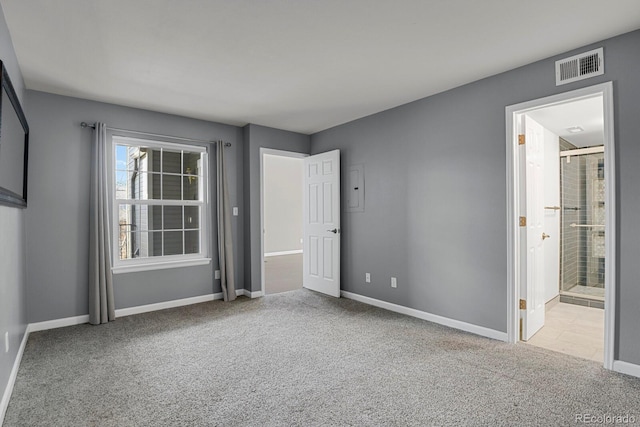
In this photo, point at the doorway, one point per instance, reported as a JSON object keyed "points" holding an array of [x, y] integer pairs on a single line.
{"points": [[561, 240], [281, 217]]}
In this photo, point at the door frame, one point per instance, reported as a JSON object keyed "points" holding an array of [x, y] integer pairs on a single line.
{"points": [[515, 195], [273, 152]]}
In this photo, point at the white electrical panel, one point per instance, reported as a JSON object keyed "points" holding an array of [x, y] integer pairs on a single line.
{"points": [[355, 189]]}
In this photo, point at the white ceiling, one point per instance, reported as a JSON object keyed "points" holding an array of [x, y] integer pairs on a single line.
{"points": [[586, 113], [291, 64]]}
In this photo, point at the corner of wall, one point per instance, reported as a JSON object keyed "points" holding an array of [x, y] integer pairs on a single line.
{"points": [[246, 198]]}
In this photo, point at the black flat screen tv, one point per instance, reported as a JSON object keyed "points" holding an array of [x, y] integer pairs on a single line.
{"points": [[14, 146]]}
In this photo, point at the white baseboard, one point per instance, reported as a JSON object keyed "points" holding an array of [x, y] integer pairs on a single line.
{"points": [[452, 323], [58, 323], [626, 368], [129, 311], [180, 302], [248, 293], [297, 251], [4, 404]]}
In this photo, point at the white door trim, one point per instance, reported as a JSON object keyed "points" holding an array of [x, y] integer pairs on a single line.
{"points": [[513, 202], [272, 152]]}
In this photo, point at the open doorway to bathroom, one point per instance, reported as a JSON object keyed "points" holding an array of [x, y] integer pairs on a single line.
{"points": [[574, 207], [282, 198], [564, 204]]}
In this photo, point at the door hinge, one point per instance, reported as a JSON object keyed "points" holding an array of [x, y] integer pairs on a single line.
{"points": [[521, 139], [521, 329], [523, 304], [523, 221]]}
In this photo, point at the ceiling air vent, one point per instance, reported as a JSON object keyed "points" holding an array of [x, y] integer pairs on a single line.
{"points": [[579, 67]]}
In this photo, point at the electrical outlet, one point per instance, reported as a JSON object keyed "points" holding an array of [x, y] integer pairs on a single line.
{"points": [[217, 274], [367, 277], [394, 282], [6, 342]]}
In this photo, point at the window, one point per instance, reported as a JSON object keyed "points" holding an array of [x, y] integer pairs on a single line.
{"points": [[159, 193]]}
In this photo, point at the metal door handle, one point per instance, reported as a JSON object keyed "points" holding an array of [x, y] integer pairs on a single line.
{"points": [[545, 236], [335, 230]]}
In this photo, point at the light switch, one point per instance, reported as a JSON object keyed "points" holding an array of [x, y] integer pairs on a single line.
{"points": [[235, 211]]}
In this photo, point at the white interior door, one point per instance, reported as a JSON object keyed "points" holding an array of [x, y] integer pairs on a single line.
{"points": [[552, 211], [321, 267], [533, 315]]}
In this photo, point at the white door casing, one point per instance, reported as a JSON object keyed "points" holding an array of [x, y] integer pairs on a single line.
{"points": [[515, 201], [321, 266], [533, 315]]}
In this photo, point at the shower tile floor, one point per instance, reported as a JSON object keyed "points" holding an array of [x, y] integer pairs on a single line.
{"points": [[581, 291], [574, 330]]}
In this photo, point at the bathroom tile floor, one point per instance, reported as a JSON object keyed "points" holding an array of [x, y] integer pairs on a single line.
{"points": [[574, 330]]}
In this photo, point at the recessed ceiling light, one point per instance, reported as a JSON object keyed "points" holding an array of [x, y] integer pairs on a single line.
{"points": [[575, 129]]}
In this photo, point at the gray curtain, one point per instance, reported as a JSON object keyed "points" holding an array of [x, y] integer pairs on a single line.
{"points": [[101, 304], [225, 239]]}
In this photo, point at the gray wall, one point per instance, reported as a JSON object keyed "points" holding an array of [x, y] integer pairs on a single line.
{"points": [[435, 210], [13, 306], [58, 215], [256, 137]]}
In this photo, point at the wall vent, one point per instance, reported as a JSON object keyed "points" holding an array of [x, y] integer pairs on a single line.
{"points": [[580, 67]]}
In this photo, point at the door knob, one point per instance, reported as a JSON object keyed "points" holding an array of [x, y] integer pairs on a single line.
{"points": [[335, 231], [545, 236]]}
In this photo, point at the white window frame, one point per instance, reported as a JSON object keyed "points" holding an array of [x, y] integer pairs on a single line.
{"points": [[163, 261]]}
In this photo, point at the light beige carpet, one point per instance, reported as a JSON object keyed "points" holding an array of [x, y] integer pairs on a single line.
{"points": [[301, 359]]}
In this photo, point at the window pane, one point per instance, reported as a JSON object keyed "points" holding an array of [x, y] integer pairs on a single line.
{"points": [[124, 245], [191, 163], [145, 218], [190, 187], [171, 161], [133, 154], [139, 186], [173, 243], [191, 242], [154, 243], [121, 157], [124, 218], [137, 245], [171, 187], [191, 217], [122, 185], [173, 217], [145, 244], [152, 160], [155, 188]]}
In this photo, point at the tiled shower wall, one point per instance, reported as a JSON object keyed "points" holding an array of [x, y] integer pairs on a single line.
{"points": [[572, 205], [594, 259], [582, 192]]}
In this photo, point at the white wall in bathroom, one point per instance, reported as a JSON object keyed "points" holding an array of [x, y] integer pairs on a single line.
{"points": [[552, 217], [282, 203]]}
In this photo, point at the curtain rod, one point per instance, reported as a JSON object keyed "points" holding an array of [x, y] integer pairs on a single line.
{"points": [[86, 125]]}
